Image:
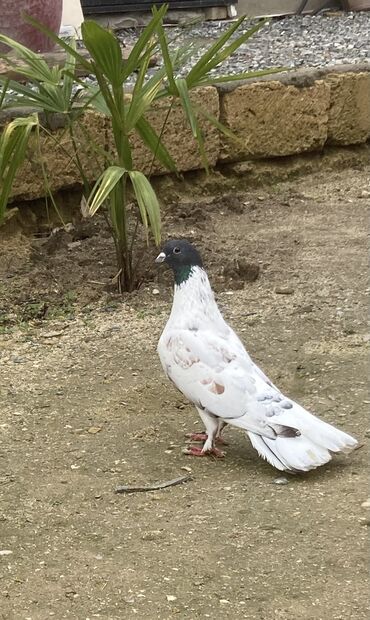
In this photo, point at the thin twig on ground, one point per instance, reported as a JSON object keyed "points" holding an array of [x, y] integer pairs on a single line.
{"points": [[153, 487]]}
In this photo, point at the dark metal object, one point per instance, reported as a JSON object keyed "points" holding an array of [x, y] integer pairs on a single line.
{"points": [[93, 7], [325, 5], [301, 7]]}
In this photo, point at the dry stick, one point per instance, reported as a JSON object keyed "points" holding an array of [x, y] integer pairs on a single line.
{"points": [[153, 487]]}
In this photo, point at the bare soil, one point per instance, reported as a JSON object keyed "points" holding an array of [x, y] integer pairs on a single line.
{"points": [[85, 408]]}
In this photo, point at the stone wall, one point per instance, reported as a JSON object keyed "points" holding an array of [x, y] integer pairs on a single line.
{"points": [[275, 116]]}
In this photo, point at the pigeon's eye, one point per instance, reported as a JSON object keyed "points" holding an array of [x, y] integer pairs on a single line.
{"points": [[176, 250]]}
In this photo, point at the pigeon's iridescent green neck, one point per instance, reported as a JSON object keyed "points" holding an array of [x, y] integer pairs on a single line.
{"points": [[182, 274]]}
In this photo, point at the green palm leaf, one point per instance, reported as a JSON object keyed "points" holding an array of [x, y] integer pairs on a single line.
{"points": [[239, 77], [188, 108], [153, 141], [104, 187], [141, 45], [148, 203], [105, 50], [13, 147], [218, 53]]}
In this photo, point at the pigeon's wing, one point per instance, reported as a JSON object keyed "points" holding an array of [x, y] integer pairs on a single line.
{"points": [[217, 374]]}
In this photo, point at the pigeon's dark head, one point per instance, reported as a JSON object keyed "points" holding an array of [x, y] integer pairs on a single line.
{"points": [[181, 257]]}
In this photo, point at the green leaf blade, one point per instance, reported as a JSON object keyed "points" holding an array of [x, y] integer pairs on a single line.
{"points": [[141, 45], [103, 187], [168, 64], [219, 52], [152, 140], [148, 203], [13, 147], [105, 49], [188, 108]]}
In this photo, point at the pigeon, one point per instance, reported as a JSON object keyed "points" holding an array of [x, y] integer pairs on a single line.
{"points": [[207, 362]]}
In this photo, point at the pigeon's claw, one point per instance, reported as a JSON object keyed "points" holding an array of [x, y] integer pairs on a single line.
{"points": [[194, 451], [221, 441], [219, 454]]}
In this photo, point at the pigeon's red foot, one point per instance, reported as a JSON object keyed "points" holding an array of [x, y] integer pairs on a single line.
{"points": [[203, 437], [193, 451]]}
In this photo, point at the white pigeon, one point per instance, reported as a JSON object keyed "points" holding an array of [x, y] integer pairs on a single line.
{"points": [[207, 362]]}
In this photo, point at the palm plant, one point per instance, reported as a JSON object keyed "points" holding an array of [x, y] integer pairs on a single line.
{"points": [[13, 145], [127, 110], [47, 90]]}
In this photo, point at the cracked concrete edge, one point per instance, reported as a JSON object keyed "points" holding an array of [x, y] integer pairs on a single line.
{"points": [[300, 78], [301, 112], [274, 116]]}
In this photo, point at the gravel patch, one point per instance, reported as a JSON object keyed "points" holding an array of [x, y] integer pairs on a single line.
{"points": [[291, 42], [294, 42]]}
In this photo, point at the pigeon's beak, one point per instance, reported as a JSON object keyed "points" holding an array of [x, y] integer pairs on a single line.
{"points": [[160, 258]]}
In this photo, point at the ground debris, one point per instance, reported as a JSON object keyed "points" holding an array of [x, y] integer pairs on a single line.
{"points": [[153, 487]]}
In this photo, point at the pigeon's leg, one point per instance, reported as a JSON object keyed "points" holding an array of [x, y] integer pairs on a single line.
{"points": [[203, 436], [212, 425], [219, 439]]}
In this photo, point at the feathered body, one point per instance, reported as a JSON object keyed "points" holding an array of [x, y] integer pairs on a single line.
{"points": [[207, 362]]}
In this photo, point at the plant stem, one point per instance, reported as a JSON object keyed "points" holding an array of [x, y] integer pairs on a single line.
{"points": [[86, 184], [47, 188]]}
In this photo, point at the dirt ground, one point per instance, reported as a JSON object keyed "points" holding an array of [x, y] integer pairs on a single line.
{"points": [[85, 407]]}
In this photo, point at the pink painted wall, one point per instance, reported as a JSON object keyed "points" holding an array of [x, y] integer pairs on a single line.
{"points": [[11, 23]]}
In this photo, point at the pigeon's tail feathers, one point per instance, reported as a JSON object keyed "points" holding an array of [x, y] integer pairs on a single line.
{"points": [[269, 454], [290, 454], [312, 448]]}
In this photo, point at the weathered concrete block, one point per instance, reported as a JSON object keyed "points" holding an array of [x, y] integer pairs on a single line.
{"points": [[271, 119], [177, 135], [349, 113]]}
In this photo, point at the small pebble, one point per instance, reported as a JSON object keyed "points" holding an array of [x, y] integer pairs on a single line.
{"points": [[281, 480], [94, 429], [366, 504], [304, 309], [5, 552], [155, 291], [284, 290], [171, 598], [51, 334], [152, 535]]}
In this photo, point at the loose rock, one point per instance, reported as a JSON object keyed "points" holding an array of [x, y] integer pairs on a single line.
{"points": [[284, 290]]}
